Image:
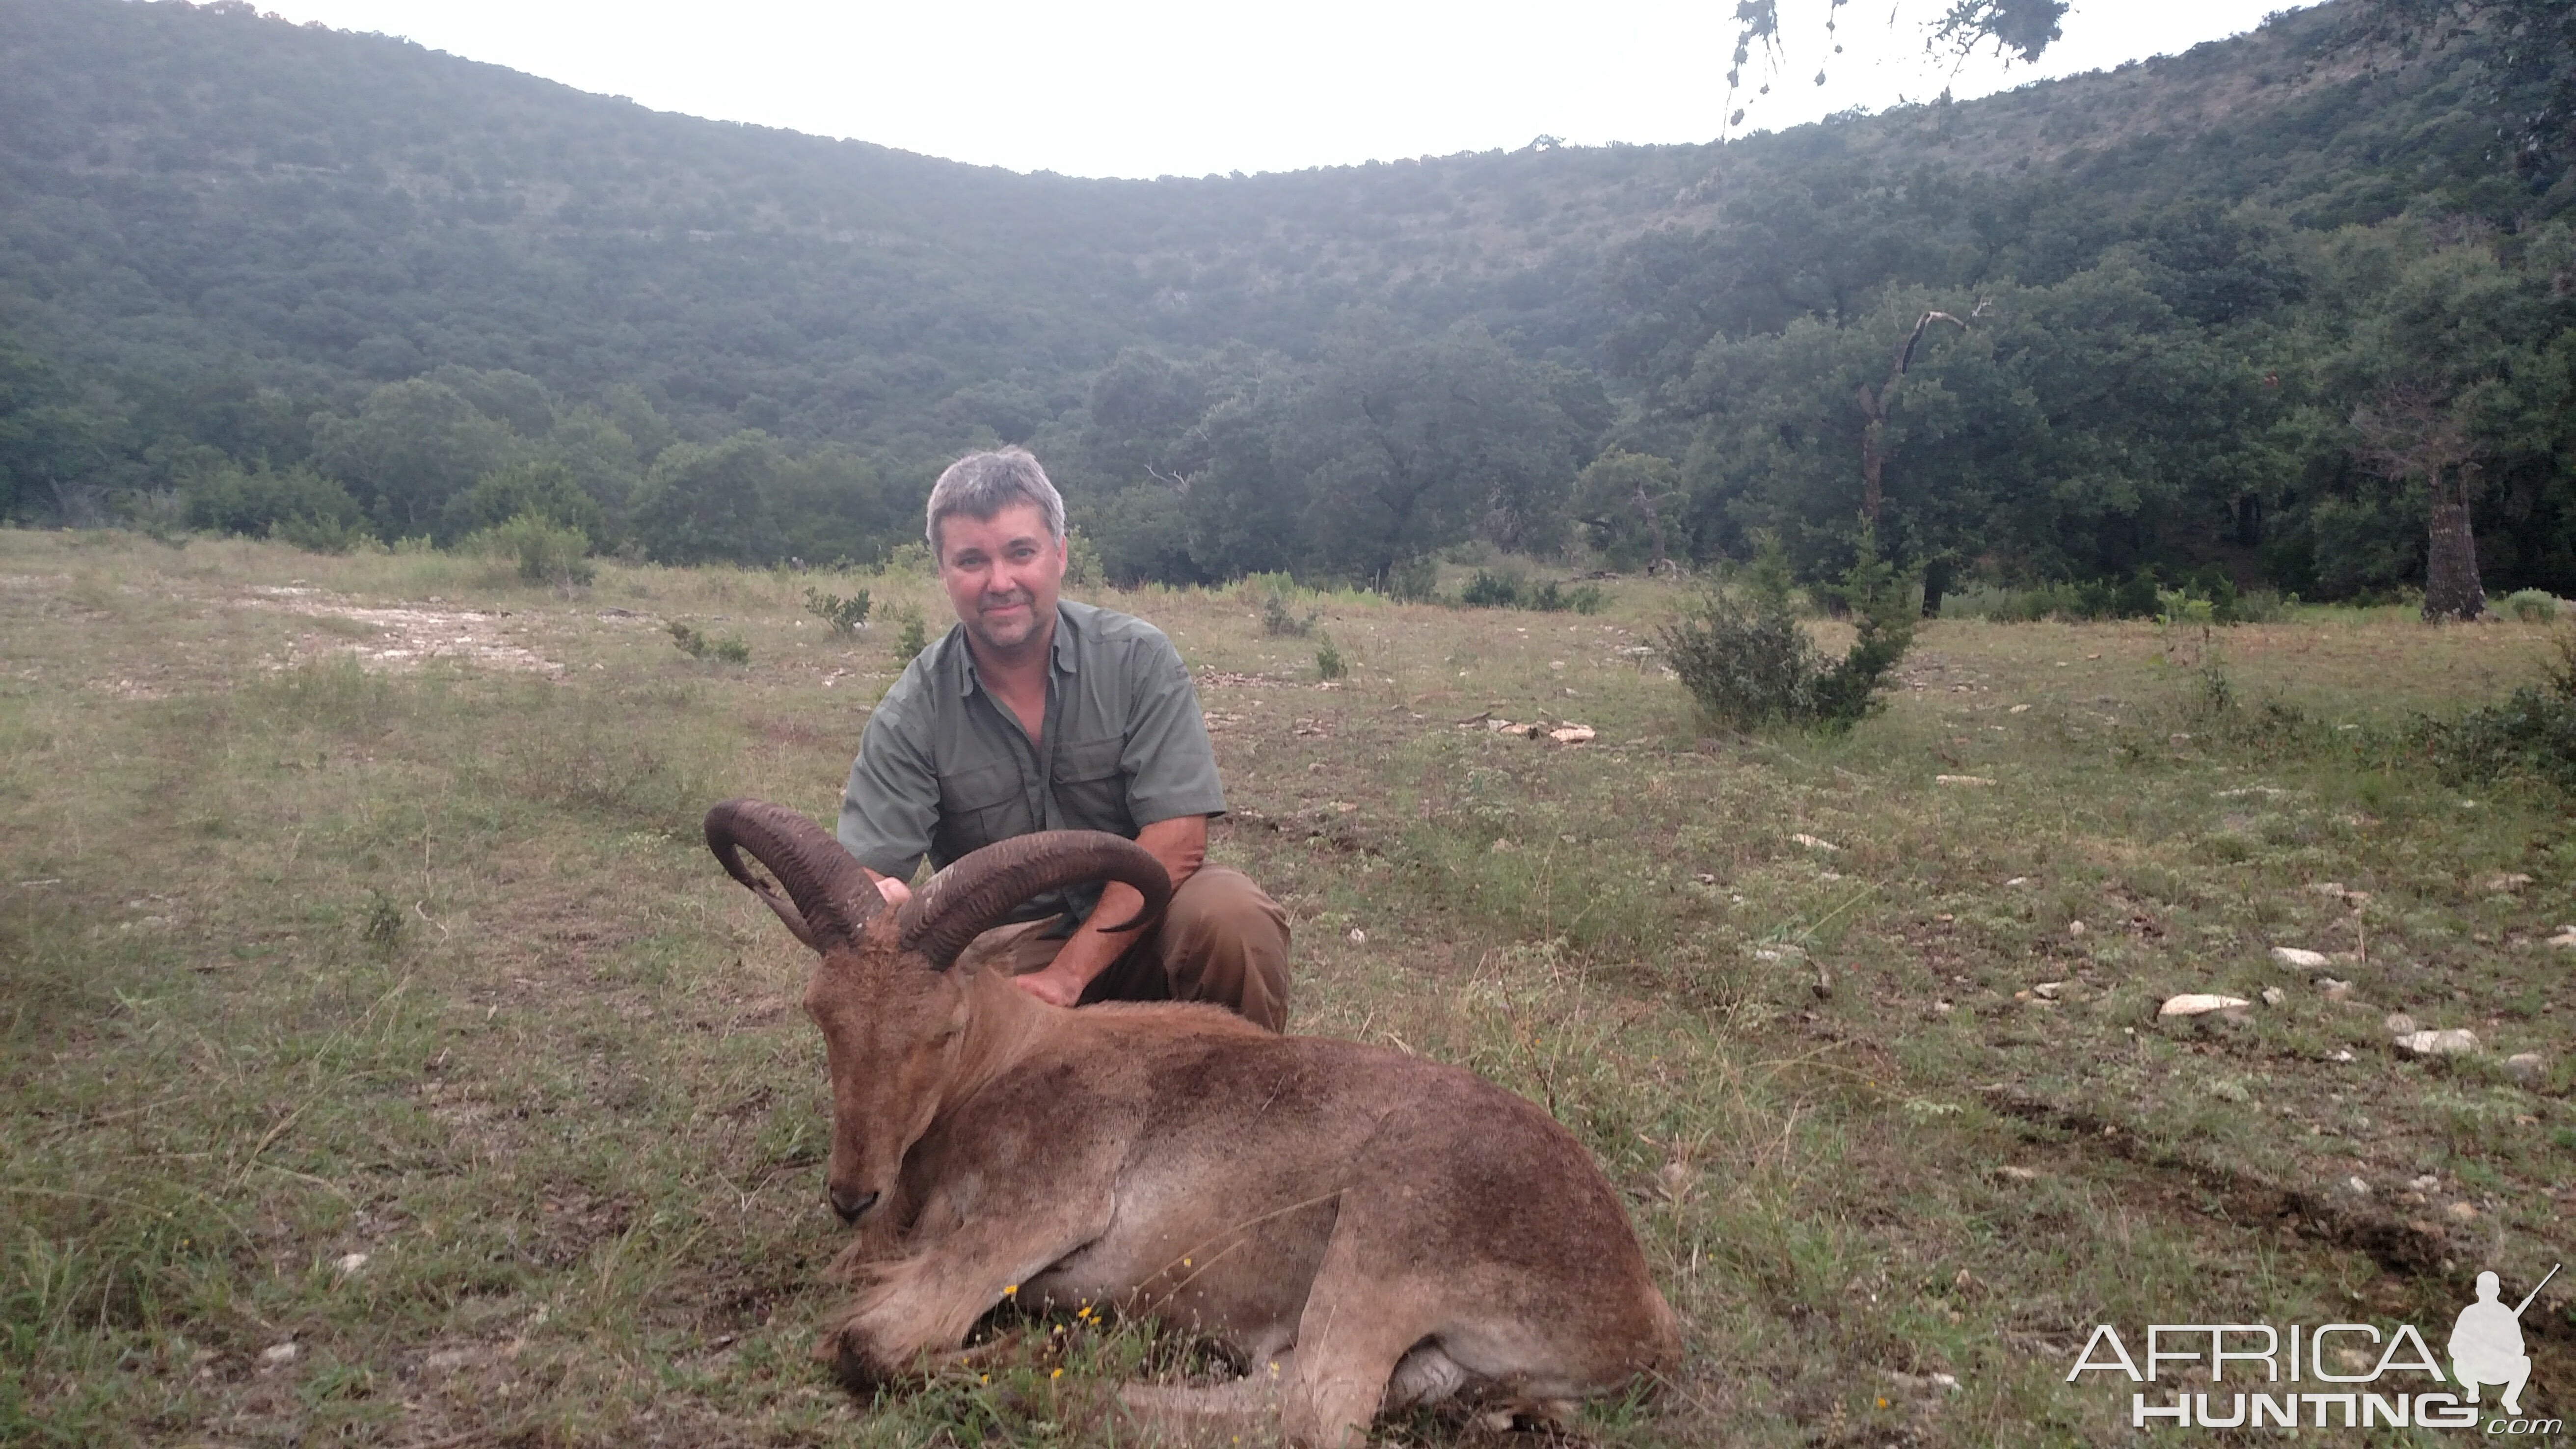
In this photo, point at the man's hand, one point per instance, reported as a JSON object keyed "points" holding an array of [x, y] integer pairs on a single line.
{"points": [[894, 891], [1054, 986]]}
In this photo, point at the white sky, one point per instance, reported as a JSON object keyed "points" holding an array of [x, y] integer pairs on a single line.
{"points": [[1154, 87]]}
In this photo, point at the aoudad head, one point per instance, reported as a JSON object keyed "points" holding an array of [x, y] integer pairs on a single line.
{"points": [[886, 991]]}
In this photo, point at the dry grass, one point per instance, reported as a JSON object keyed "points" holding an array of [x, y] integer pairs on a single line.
{"points": [[313, 948]]}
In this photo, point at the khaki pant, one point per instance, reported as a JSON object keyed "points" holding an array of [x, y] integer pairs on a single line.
{"points": [[1223, 940]]}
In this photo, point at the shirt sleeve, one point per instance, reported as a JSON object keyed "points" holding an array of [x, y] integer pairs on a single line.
{"points": [[1169, 764], [892, 802]]}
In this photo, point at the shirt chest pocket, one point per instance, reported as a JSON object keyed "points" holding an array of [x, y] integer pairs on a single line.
{"points": [[978, 807], [1091, 788]]}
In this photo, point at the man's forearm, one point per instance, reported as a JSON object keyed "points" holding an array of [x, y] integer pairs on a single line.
{"points": [[1181, 845]]}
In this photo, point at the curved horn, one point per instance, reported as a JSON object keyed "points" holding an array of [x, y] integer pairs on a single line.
{"points": [[967, 898], [830, 895]]}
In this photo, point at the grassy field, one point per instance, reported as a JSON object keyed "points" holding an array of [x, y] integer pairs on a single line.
{"points": [[384, 1061]]}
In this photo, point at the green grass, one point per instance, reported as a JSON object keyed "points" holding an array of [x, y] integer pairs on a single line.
{"points": [[323, 934]]}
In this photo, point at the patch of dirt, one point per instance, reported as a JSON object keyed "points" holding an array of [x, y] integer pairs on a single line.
{"points": [[408, 636]]}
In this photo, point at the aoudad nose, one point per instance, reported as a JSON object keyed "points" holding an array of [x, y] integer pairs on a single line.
{"points": [[851, 1206]]}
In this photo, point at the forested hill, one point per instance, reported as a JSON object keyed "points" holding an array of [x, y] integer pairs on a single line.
{"points": [[225, 232]]}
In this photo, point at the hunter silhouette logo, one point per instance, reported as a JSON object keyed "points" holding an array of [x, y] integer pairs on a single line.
{"points": [[2486, 1343], [2257, 1375]]}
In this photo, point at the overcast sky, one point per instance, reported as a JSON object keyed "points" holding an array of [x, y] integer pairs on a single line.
{"points": [[1155, 87]]}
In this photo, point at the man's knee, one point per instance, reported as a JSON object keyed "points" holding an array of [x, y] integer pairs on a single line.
{"points": [[1224, 940]]}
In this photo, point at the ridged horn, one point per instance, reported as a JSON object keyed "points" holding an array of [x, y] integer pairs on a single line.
{"points": [[829, 895], [971, 896]]}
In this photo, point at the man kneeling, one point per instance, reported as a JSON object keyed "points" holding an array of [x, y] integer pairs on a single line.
{"points": [[1035, 713]]}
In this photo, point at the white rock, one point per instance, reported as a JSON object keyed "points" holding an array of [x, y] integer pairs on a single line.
{"points": [[2399, 1024], [1815, 842], [280, 1353], [2426, 1183], [352, 1262], [2526, 1067], [2461, 1212], [2199, 1004], [2565, 939], [2300, 959], [1358, 936], [2453, 1042], [2344, 1056], [2075, 928], [2049, 989], [1573, 734], [2019, 1174], [2334, 990], [2357, 1185], [2274, 996], [1961, 780], [2507, 883]]}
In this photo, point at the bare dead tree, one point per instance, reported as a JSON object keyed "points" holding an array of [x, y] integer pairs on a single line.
{"points": [[2406, 432], [1873, 408]]}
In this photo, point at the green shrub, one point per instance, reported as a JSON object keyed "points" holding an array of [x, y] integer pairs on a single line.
{"points": [[2531, 606], [913, 637], [729, 648], [546, 491], [1413, 581], [1502, 591], [1748, 662], [1491, 591], [1279, 621], [295, 505], [1328, 660], [2530, 734], [844, 615], [544, 551]]}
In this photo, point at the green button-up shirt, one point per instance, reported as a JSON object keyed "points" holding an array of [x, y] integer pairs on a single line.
{"points": [[944, 768]]}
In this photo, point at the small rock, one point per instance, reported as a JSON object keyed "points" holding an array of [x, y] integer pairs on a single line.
{"points": [[2526, 1067], [2507, 883], [2299, 959], [1573, 734], [2199, 1004], [2018, 709], [2019, 880], [1942, 1008], [1358, 936], [2018, 1174], [2460, 1212], [2049, 989], [1816, 842], [352, 1262], [2334, 990], [2457, 1041], [2399, 1024], [2357, 1185], [2075, 928], [2565, 939], [1961, 780], [2427, 1183], [2274, 996], [2344, 1056], [280, 1353]]}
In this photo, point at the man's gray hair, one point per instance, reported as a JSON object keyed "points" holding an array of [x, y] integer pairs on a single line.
{"points": [[980, 485]]}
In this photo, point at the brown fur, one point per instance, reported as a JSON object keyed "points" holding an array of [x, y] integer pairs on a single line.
{"points": [[1369, 1229]]}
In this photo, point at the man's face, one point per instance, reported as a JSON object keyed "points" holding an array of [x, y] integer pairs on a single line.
{"points": [[1002, 574]]}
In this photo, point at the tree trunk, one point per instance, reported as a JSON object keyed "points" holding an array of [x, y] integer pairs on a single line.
{"points": [[2451, 587]]}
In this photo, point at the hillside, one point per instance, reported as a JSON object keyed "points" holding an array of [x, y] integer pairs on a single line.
{"points": [[187, 184], [228, 241]]}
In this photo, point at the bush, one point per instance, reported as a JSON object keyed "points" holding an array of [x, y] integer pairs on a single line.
{"points": [[1280, 622], [545, 552], [546, 491], [1749, 662], [844, 615], [296, 506], [1413, 581], [1502, 591], [913, 637], [1328, 660], [2530, 734], [729, 647], [2531, 606]]}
